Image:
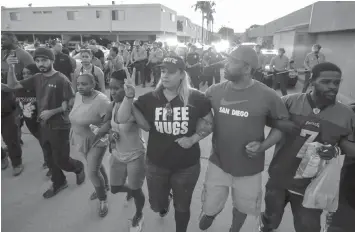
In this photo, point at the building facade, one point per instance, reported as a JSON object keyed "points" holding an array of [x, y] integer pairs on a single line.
{"points": [[146, 22], [330, 24], [187, 31]]}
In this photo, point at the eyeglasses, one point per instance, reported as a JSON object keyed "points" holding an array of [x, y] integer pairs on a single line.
{"points": [[169, 112]]}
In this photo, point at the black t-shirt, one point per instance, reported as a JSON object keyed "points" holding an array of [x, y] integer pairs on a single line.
{"points": [[162, 149], [51, 92], [62, 63], [99, 54], [192, 58]]}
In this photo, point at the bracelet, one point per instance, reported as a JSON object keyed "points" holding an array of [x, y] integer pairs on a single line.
{"points": [[129, 97]]}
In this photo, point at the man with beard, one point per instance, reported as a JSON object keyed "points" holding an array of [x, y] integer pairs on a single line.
{"points": [[53, 92], [241, 108], [315, 117], [312, 59]]}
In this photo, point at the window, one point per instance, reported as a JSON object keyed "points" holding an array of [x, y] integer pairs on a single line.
{"points": [[118, 15], [15, 16], [98, 14], [172, 17], [47, 12], [37, 12], [186, 23], [72, 15]]}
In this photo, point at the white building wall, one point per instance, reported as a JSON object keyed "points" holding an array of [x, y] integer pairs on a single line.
{"points": [[143, 17]]}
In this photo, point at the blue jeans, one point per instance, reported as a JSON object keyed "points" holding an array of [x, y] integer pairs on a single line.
{"points": [[161, 181]]}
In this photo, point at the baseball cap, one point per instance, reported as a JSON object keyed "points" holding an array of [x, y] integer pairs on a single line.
{"points": [[246, 54], [173, 63], [44, 53]]}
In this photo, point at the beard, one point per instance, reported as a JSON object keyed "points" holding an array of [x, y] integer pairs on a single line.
{"points": [[324, 98], [43, 69], [232, 77]]}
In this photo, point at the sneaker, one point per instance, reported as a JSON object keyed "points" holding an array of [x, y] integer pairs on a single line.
{"points": [[137, 223], [93, 196], [80, 177], [53, 190], [4, 163], [103, 208], [206, 222], [17, 170], [164, 212]]}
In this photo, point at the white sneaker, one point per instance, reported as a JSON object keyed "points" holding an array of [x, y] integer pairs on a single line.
{"points": [[137, 224]]}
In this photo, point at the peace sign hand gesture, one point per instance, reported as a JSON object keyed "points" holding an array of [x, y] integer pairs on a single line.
{"points": [[129, 84]]}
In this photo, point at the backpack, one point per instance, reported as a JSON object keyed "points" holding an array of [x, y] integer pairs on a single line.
{"points": [[97, 86]]}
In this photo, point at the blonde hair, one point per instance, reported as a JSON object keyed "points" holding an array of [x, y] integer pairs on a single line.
{"points": [[184, 89]]}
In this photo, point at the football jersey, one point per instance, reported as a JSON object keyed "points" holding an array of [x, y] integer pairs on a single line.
{"points": [[330, 125]]}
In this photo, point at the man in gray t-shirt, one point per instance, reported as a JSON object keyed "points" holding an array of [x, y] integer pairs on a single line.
{"points": [[241, 106]]}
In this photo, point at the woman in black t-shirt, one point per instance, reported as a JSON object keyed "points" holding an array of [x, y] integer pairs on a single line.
{"points": [[179, 116]]}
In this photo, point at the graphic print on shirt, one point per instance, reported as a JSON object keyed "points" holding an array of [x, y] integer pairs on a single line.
{"points": [[309, 134], [172, 121], [235, 112]]}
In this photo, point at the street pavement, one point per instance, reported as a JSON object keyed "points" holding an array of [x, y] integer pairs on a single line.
{"points": [[23, 208]]}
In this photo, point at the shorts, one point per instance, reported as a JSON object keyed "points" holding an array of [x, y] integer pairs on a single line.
{"points": [[246, 192], [181, 182], [133, 172]]}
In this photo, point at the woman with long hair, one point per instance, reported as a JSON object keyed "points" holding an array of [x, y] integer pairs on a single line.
{"points": [[87, 66], [127, 148], [89, 110], [178, 117]]}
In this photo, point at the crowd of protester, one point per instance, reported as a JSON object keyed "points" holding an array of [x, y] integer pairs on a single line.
{"points": [[65, 106]]}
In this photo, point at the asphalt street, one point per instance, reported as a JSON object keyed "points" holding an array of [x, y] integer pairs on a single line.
{"points": [[23, 208]]}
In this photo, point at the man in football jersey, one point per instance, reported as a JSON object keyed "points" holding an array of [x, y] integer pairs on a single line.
{"points": [[314, 118]]}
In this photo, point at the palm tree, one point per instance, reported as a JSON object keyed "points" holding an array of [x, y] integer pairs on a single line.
{"points": [[205, 7], [210, 20]]}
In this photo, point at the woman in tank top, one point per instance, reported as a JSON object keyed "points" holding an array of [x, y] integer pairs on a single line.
{"points": [[89, 110], [127, 148]]}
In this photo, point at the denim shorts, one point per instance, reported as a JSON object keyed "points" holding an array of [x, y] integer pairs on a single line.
{"points": [[161, 181]]}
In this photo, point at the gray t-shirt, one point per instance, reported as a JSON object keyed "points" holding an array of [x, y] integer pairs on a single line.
{"points": [[240, 116]]}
